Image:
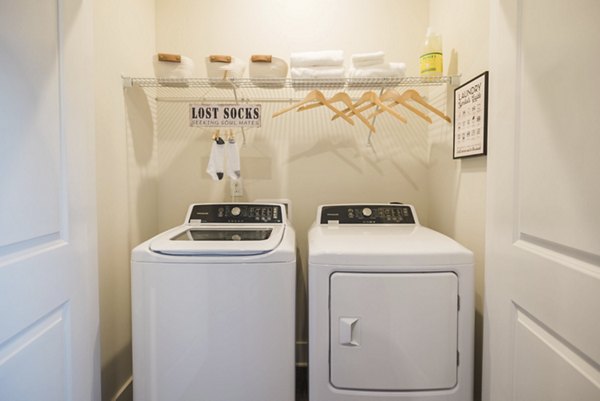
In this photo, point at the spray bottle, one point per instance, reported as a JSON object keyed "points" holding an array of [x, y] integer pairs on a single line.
{"points": [[431, 61]]}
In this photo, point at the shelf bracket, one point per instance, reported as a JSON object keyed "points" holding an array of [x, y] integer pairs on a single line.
{"points": [[127, 82], [454, 80]]}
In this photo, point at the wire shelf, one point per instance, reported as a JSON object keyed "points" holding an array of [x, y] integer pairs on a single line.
{"points": [[278, 83], [268, 90]]}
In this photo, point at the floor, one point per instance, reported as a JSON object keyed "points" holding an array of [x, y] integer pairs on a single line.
{"points": [[301, 383]]}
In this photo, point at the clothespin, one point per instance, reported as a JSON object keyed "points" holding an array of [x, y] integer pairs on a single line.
{"points": [[217, 137]]}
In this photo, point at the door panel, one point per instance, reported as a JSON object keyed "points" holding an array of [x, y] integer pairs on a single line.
{"points": [[48, 274], [543, 254], [41, 351], [566, 374], [557, 122], [31, 135]]}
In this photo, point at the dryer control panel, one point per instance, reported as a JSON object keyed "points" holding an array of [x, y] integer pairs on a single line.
{"points": [[227, 213], [367, 214]]}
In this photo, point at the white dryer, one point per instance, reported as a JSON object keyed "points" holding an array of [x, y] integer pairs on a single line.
{"points": [[391, 308], [213, 306]]}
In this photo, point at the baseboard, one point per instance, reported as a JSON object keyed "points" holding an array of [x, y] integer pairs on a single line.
{"points": [[125, 393]]}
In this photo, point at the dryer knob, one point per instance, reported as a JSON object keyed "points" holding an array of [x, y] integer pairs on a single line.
{"points": [[236, 211], [367, 212]]}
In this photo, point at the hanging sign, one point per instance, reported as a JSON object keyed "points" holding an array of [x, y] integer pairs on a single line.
{"points": [[225, 115], [470, 117]]}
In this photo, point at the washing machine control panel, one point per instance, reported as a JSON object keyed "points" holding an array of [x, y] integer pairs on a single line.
{"points": [[236, 213], [367, 214]]}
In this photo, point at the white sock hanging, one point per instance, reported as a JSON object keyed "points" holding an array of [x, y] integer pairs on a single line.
{"points": [[215, 162], [233, 158]]}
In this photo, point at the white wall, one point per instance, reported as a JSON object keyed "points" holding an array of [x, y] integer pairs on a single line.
{"points": [[124, 37], [457, 187]]}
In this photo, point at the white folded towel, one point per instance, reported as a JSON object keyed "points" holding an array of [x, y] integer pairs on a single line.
{"points": [[317, 72], [360, 60], [317, 58], [387, 70]]}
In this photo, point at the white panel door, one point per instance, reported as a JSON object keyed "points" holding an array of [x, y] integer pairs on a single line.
{"points": [[48, 276], [542, 317], [394, 331]]}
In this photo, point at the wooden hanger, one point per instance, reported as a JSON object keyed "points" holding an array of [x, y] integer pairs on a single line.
{"points": [[319, 99], [348, 111], [414, 95], [372, 99], [397, 98], [310, 97], [344, 98]]}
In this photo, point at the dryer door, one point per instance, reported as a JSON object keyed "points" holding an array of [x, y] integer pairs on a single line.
{"points": [[393, 331]]}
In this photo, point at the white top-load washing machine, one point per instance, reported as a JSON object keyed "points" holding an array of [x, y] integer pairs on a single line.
{"points": [[391, 309], [213, 305]]}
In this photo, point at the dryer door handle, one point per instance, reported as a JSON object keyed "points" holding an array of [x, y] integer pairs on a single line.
{"points": [[348, 330]]}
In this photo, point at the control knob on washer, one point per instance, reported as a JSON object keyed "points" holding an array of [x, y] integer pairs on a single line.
{"points": [[236, 211], [367, 212]]}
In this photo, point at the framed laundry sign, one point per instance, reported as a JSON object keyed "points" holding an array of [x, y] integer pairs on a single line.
{"points": [[470, 117], [225, 115]]}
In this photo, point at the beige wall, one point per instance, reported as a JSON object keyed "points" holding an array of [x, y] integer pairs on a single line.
{"points": [[124, 37], [303, 157], [241, 28], [151, 165], [457, 187]]}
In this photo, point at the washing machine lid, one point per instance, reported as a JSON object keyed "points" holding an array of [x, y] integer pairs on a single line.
{"points": [[379, 235], [225, 229]]}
